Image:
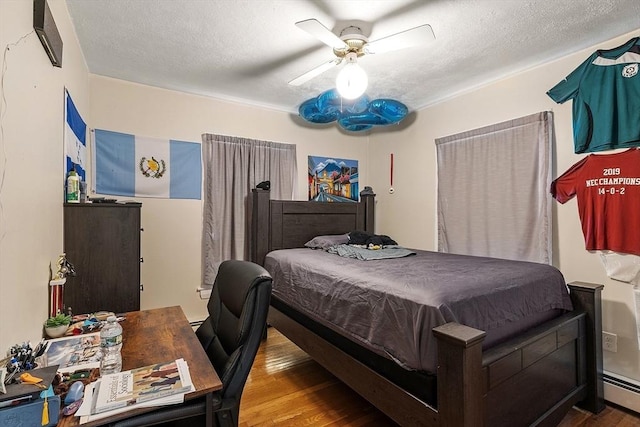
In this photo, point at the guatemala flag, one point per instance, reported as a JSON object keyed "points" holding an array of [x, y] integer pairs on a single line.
{"points": [[138, 166], [75, 139]]}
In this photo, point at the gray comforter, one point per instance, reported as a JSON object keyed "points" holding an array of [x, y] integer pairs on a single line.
{"points": [[391, 305]]}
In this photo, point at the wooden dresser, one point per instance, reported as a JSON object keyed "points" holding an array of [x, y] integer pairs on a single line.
{"points": [[102, 241]]}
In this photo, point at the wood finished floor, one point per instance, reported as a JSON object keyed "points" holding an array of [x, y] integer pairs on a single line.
{"points": [[287, 388]]}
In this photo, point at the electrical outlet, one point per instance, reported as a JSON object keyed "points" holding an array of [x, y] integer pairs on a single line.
{"points": [[205, 293], [609, 342]]}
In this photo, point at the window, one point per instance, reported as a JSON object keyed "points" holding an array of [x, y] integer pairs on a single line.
{"points": [[232, 167], [493, 197]]}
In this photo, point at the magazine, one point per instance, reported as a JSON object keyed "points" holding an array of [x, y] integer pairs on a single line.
{"points": [[74, 352], [142, 385]]}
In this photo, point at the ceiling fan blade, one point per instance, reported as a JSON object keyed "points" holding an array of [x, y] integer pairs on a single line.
{"points": [[322, 33], [408, 38], [315, 72]]}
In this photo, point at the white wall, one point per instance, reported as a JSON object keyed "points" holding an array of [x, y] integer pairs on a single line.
{"points": [[172, 228], [31, 163], [409, 215]]}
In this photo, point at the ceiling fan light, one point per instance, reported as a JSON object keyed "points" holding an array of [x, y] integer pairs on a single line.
{"points": [[352, 80]]}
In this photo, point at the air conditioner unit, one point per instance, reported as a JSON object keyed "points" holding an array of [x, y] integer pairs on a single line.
{"points": [[47, 31]]}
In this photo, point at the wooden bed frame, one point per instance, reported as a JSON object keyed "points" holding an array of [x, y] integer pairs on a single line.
{"points": [[533, 379]]}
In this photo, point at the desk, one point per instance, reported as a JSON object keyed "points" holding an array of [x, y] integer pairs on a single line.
{"points": [[155, 336]]}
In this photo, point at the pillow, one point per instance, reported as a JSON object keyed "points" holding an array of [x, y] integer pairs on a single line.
{"points": [[325, 242]]}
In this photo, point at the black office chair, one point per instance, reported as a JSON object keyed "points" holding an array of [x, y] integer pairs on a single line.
{"points": [[231, 336]]}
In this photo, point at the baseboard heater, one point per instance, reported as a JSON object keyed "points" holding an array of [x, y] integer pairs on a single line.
{"points": [[621, 383], [622, 391], [196, 323]]}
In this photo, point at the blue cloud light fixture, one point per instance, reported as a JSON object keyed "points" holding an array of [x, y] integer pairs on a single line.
{"points": [[353, 115]]}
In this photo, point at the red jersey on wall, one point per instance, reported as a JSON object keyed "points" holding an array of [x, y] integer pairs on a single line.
{"points": [[608, 190]]}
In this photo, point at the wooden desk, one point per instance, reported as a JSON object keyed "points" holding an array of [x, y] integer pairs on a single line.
{"points": [[155, 336]]}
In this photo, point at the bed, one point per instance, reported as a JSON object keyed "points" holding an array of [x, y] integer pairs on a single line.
{"points": [[470, 377]]}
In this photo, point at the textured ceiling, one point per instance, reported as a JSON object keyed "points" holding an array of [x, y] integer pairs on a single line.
{"points": [[247, 50]]}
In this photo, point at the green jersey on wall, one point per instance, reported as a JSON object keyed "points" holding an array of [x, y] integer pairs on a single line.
{"points": [[606, 99]]}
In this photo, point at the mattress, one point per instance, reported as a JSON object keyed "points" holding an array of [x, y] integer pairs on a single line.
{"points": [[390, 306]]}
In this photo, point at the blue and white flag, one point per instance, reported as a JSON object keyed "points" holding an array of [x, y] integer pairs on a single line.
{"points": [[75, 139], [138, 166]]}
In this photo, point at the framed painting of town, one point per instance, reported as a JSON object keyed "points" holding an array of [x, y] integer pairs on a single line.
{"points": [[333, 180]]}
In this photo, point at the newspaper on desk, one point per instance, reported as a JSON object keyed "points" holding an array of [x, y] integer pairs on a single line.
{"points": [[84, 412]]}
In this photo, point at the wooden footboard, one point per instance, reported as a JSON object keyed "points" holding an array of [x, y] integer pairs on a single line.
{"points": [[531, 380], [550, 368]]}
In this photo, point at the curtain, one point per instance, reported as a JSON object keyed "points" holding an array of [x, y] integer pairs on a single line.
{"points": [[493, 197], [232, 167]]}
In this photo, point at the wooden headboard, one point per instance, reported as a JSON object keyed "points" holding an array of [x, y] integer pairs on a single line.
{"points": [[285, 224]]}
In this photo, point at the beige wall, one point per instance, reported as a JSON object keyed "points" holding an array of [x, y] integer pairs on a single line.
{"points": [[409, 215], [31, 163], [172, 228]]}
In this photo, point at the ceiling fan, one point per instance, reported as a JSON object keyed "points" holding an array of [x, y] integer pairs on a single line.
{"points": [[352, 44]]}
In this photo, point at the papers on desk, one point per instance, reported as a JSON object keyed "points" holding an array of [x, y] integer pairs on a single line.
{"points": [[74, 352], [155, 385], [84, 412]]}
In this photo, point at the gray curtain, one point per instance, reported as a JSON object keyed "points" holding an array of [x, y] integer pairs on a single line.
{"points": [[233, 166], [493, 190]]}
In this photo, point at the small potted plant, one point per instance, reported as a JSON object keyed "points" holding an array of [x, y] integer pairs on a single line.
{"points": [[57, 325]]}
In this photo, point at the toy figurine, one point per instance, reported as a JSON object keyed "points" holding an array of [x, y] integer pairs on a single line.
{"points": [[65, 268]]}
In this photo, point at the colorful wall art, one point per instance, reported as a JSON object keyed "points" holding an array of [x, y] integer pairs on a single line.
{"points": [[333, 180]]}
